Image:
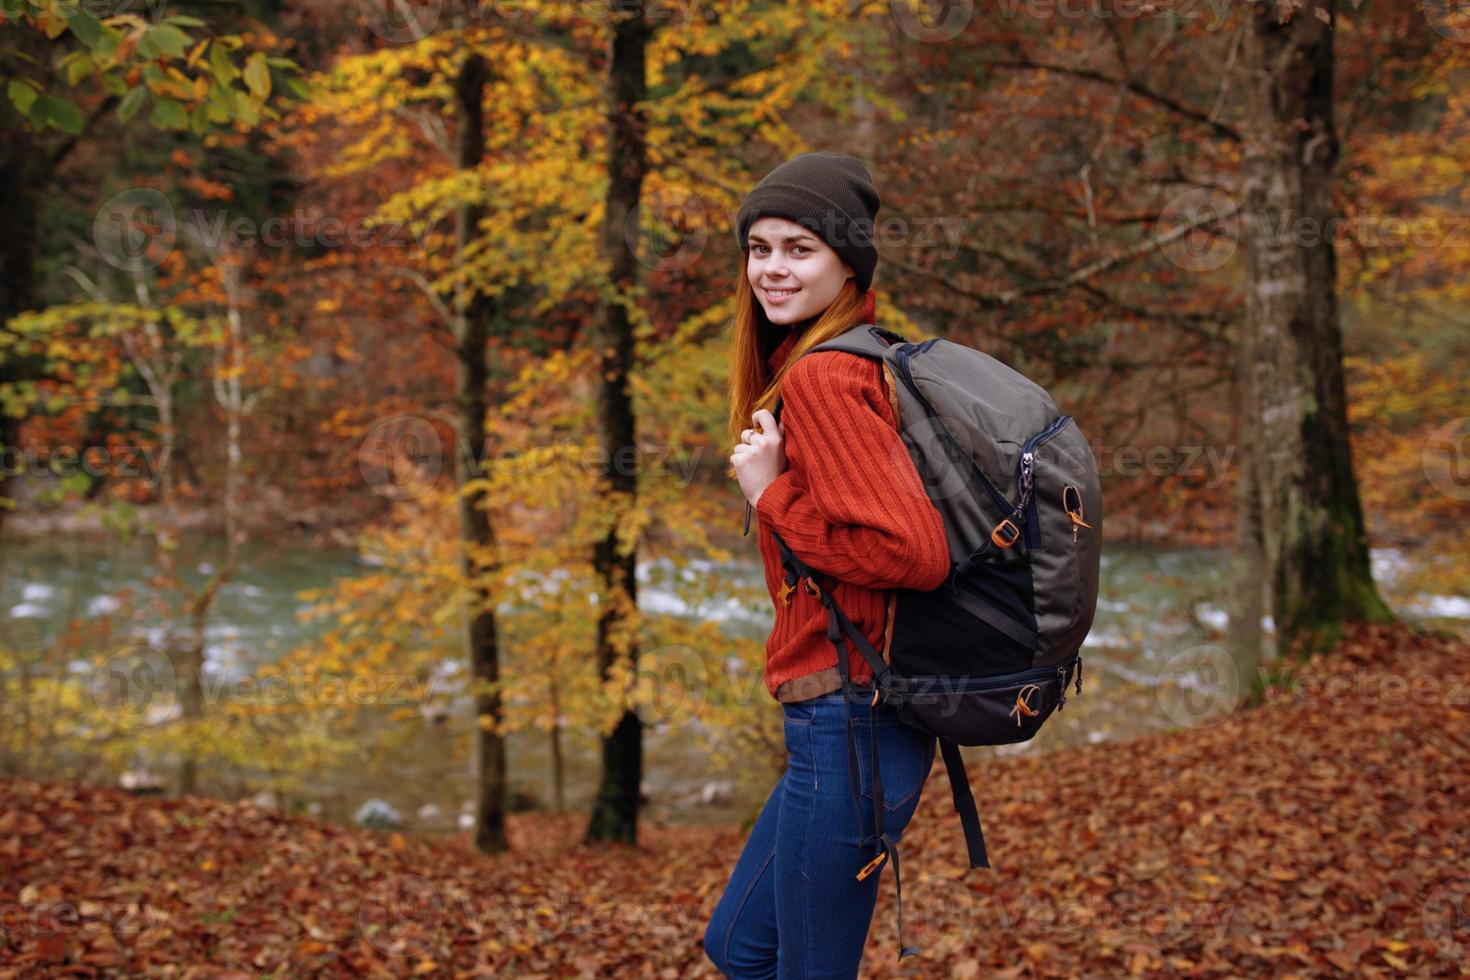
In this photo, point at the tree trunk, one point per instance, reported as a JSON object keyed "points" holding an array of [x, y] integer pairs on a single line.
{"points": [[615, 809], [1316, 543], [1248, 591], [21, 193], [25, 164], [188, 661], [474, 312], [229, 393], [558, 760], [558, 764]]}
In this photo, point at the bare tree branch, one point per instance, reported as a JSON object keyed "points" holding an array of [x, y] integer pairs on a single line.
{"points": [[1074, 278], [1132, 85]]}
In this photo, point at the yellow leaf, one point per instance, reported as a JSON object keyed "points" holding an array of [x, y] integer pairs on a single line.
{"points": [[198, 51], [1395, 962]]}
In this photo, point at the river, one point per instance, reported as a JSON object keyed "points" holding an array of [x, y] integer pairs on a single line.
{"points": [[1148, 665]]}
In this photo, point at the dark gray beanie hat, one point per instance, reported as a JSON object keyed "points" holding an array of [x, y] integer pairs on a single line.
{"points": [[832, 195]]}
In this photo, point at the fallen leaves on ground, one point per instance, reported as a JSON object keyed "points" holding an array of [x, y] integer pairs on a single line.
{"points": [[1320, 835]]}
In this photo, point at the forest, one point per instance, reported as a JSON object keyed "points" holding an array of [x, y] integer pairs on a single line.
{"points": [[374, 597]]}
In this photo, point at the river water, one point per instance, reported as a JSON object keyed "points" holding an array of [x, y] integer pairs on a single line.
{"points": [[1151, 663]]}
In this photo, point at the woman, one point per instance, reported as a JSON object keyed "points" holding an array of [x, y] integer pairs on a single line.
{"points": [[836, 483]]}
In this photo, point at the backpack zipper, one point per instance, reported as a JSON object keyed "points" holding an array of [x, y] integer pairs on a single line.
{"points": [[1031, 674], [1025, 474], [1025, 509]]}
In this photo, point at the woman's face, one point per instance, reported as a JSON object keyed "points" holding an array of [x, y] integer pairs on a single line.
{"points": [[794, 273]]}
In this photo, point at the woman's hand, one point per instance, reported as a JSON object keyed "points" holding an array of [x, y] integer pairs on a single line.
{"points": [[760, 457]]}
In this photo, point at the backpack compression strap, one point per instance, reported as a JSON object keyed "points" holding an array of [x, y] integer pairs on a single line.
{"points": [[837, 624], [964, 803]]}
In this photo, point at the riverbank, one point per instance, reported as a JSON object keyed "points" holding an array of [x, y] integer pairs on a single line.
{"points": [[272, 514], [267, 514], [1320, 834]]}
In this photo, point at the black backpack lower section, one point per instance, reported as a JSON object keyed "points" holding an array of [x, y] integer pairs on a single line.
{"points": [[984, 710], [957, 709], [986, 617], [962, 657]]}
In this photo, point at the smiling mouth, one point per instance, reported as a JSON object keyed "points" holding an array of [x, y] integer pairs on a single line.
{"points": [[782, 293]]}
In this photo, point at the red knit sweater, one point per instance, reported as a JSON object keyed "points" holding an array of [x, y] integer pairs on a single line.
{"points": [[851, 505]]}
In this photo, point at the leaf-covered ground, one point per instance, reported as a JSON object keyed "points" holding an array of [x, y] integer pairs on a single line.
{"points": [[1326, 834]]}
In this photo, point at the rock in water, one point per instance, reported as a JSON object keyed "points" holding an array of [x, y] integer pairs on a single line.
{"points": [[378, 815]]}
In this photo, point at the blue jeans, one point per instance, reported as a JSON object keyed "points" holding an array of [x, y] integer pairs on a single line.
{"points": [[793, 906]]}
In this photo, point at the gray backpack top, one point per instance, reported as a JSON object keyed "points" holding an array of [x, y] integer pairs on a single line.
{"points": [[986, 657]]}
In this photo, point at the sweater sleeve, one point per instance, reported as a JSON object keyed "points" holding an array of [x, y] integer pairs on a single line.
{"points": [[850, 502]]}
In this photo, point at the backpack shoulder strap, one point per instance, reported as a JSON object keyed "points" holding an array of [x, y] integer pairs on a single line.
{"points": [[864, 339]]}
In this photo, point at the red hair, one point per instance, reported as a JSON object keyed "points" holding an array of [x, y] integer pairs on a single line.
{"points": [[753, 386]]}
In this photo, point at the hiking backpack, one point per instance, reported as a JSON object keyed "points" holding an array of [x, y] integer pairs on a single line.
{"points": [[985, 658]]}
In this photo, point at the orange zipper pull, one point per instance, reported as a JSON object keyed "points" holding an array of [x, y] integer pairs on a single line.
{"points": [[872, 865]]}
